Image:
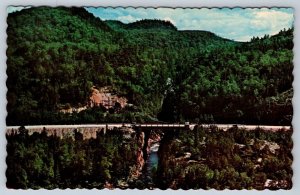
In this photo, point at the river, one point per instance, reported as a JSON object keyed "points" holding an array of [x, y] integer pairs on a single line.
{"points": [[151, 164]]}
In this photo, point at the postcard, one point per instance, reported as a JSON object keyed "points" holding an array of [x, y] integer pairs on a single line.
{"points": [[149, 98]]}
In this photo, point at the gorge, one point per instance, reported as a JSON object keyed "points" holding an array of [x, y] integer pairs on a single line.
{"points": [[130, 158]]}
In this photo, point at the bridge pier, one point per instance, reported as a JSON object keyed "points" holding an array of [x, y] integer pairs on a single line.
{"points": [[170, 130], [145, 147], [143, 138], [187, 125]]}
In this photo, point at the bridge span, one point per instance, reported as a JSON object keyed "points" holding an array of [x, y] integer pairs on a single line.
{"points": [[110, 126], [91, 130]]}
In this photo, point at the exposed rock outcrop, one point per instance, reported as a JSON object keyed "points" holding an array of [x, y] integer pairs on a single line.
{"points": [[136, 170], [153, 138], [104, 97], [99, 97]]}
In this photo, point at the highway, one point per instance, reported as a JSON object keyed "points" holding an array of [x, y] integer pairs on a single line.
{"points": [[149, 125]]}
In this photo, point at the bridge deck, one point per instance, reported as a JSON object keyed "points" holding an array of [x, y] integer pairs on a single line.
{"points": [[154, 126]]}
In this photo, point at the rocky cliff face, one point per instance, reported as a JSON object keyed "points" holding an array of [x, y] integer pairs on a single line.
{"points": [[106, 98], [99, 97], [140, 162], [153, 138]]}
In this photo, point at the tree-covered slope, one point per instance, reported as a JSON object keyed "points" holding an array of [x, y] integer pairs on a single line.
{"points": [[49, 52], [55, 55], [239, 83]]}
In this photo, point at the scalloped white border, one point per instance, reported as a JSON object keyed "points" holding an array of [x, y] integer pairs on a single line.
{"points": [[153, 3]]}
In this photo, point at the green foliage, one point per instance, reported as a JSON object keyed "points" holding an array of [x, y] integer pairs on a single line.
{"points": [[55, 55], [203, 158], [39, 161], [219, 162], [150, 24]]}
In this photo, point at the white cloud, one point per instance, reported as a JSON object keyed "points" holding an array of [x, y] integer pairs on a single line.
{"points": [[11, 9], [127, 19], [271, 20], [244, 38], [235, 24]]}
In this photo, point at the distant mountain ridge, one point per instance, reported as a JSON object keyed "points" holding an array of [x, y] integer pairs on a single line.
{"points": [[142, 24]]}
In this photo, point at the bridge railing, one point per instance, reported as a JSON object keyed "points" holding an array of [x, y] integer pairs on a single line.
{"points": [[161, 125]]}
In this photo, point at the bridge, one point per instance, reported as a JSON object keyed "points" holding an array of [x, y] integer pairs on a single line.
{"points": [[91, 130], [143, 130], [162, 126]]}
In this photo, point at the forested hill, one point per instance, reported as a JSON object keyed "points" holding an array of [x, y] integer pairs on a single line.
{"points": [[55, 56], [142, 24]]}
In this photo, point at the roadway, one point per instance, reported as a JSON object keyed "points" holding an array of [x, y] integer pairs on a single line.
{"points": [[146, 125]]}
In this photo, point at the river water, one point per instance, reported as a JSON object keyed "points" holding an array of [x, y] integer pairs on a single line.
{"points": [[151, 164], [152, 160]]}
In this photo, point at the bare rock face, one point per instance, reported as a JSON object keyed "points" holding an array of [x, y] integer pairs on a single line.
{"points": [[153, 138], [140, 160], [99, 97], [89, 133], [136, 170], [140, 157], [104, 97], [271, 146], [276, 184]]}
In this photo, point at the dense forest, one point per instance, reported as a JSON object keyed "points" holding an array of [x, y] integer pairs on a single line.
{"points": [[204, 158], [40, 161], [210, 158], [55, 56]]}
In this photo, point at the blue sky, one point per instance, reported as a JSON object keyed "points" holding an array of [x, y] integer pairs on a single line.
{"points": [[236, 24]]}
